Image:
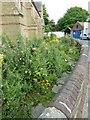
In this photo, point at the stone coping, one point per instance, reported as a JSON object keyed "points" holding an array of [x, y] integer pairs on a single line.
{"points": [[70, 101]]}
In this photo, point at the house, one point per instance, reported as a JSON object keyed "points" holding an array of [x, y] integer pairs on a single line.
{"points": [[81, 27], [21, 17], [77, 29]]}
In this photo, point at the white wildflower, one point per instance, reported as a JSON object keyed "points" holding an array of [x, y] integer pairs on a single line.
{"points": [[26, 71]]}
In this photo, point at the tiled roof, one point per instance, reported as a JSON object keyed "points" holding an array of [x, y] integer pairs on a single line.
{"points": [[81, 23], [38, 4]]}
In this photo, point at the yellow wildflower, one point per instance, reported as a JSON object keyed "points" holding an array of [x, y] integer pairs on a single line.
{"points": [[48, 84], [46, 81], [42, 81]]}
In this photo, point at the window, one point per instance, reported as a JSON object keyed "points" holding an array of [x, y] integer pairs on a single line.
{"points": [[76, 26]]}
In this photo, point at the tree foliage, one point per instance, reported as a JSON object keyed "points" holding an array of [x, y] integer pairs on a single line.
{"points": [[49, 24], [45, 15], [46, 19], [52, 25], [72, 15]]}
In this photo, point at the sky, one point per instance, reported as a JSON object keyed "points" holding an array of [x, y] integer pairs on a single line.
{"points": [[57, 8]]}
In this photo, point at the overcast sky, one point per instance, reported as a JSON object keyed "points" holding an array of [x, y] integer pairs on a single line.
{"points": [[57, 8]]}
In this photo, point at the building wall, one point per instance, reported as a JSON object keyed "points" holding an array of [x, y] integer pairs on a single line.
{"points": [[9, 20], [89, 17], [85, 28], [77, 28], [21, 18]]}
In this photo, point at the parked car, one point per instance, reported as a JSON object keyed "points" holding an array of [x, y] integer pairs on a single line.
{"points": [[84, 37]]}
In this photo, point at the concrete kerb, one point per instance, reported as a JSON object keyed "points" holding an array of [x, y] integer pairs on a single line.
{"points": [[70, 101]]}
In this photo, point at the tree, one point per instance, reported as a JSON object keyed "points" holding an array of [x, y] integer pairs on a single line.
{"points": [[72, 15], [49, 24], [46, 19], [52, 25]]}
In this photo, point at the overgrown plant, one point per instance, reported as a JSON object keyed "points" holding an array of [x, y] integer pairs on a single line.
{"points": [[30, 68]]}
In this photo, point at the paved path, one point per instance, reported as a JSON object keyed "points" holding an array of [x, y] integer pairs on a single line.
{"points": [[84, 42], [89, 87]]}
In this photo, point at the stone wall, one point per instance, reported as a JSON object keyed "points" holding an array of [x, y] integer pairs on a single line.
{"points": [[70, 101], [15, 19]]}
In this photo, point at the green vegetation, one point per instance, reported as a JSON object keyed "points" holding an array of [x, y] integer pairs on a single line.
{"points": [[31, 68], [72, 15], [49, 24]]}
